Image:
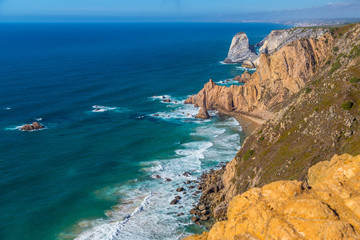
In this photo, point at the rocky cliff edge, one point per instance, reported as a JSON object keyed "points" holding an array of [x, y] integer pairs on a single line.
{"points": [[326, 206]]}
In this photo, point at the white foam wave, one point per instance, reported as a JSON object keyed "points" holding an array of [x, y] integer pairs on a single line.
{"points": [[246, 69], [111, 230], [144, 211], [18, 128], [228, 82], [99, 108], [7, 108], [181, 112], [161, 97]]}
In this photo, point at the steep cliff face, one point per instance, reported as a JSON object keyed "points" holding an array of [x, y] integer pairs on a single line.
{"points": [[309, 92], [279, 38], [326, 207], [240, 49], [242, 52], [278, 76]]}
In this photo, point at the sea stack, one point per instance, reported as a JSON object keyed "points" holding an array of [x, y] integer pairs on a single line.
{"points": [[31, 127], [240, 49]]}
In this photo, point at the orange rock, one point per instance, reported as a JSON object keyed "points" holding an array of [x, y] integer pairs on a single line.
{"points": [[284, 210]]}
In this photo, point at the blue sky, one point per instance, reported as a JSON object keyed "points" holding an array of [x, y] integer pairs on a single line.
{"points": [[167, 10]]}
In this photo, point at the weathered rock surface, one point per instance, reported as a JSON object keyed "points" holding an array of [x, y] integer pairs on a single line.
{"points": [[240, 49], [243, 78], [279, 38], [306, 127], [31, 127], [242, 52], [203, 113], [327, 209], [277, 78]]}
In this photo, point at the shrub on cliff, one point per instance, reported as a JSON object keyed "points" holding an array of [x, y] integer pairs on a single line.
{"points": [[336, 65], [354, 79], [347, 105]]}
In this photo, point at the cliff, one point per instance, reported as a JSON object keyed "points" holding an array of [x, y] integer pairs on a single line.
{"points": [[308, 93], [242, 52], [326, 207], [278, 76], [240, 49], [279, 38]]}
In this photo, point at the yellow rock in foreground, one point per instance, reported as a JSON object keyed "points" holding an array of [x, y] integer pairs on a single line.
{"points": [[328, 209]]}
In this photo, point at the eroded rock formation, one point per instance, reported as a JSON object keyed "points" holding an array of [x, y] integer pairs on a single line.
{"points": [[278, 76], [279, 38], [324, 207], [240, 49]]}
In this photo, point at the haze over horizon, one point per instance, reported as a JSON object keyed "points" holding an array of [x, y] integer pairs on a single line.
{"points": [[174, 10]]}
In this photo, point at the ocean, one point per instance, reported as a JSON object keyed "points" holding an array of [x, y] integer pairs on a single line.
{"points": [[98, 90]]}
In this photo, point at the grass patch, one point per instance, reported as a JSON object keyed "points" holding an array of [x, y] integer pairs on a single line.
{"points": [[248, 154], [307, 90], [347, 105], [355, 52], [335, 66], [354, 79]]}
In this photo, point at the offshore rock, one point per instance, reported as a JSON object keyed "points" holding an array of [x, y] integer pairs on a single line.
{"points": [[240, 49], [31, 127], [327, 209]]}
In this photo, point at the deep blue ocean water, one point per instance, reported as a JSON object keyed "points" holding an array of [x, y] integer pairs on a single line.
{"points": [[91, 174]]}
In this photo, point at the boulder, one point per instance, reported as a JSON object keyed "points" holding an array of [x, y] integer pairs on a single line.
{"points": [[180, 189], [174, 201]]}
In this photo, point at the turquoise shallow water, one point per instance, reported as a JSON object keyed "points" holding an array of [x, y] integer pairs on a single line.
{"points": [[91, 174]]}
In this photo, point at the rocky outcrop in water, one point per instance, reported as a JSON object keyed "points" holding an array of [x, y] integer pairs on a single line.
{"points": [[326, 206], [32, 127], [240, 49]]}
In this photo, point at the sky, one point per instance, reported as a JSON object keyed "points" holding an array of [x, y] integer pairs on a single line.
{"points": [[176, 10]]}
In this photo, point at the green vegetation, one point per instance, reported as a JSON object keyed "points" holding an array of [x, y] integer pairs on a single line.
{"points": [[248, 154], [354, 79], [335, 66], [326, 41], [261, 138], [335, 49], [307, 90], [347, 105], [355, 52], [260, 132]]}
